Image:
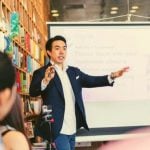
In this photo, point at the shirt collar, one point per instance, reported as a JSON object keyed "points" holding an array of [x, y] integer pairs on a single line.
{"points": [[65, 66]]}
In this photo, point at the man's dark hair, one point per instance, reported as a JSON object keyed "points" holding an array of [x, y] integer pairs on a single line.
{"points": [[7, 72], [48, 46]]}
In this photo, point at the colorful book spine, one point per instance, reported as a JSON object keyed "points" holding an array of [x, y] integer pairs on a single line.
{"points": [[27, 42], [18, 82]]}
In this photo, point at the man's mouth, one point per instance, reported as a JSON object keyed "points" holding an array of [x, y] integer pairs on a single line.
{"points": [[61, 57]]}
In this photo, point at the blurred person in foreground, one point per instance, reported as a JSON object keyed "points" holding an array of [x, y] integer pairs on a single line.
{"points": [[138, 139], [15, 139]]}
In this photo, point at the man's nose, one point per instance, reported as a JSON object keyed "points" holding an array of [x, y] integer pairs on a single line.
{"points": [[62, 51]]}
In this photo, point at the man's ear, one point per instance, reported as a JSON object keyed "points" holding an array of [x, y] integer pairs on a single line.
{"points": [[49, 53]]}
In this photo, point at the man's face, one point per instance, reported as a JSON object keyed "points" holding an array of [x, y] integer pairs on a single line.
{"points": [[7, 99], [58, 52]]}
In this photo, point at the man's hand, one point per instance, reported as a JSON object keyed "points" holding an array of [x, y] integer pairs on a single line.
{"points": [[49, 74], [118, 73]]}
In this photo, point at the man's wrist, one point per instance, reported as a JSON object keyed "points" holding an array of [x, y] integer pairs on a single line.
{"points": [[112, 76]]}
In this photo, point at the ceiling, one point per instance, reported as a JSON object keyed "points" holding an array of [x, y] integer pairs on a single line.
{"points": [[99, 10]]}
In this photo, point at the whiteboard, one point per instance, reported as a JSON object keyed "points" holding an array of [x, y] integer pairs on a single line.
{"points": [[99, 49]]}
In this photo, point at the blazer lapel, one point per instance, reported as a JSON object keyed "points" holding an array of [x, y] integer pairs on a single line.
{"points": [[72, 78], [58, 84]]}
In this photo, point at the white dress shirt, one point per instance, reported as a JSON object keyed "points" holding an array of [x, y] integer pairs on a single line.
{"points": [[69, 122]]}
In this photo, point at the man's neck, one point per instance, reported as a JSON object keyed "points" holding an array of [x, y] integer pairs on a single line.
{"points": [[61, 66]]}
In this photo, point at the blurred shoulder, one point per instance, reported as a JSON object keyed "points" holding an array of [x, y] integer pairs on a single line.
{"points": [[15, 140]]}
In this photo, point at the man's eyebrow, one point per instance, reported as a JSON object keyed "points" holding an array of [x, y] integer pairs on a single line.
{"points": [[60, 46]]}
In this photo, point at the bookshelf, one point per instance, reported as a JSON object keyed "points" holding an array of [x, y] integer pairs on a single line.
{"points": [[23, 29]]}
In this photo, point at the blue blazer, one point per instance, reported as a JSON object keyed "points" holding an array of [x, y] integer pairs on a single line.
{"points": [[53, 94]]}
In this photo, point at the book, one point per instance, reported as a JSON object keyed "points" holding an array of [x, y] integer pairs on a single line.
{"points": [[27, 42], [22, 36], [29, 129], [18, 81]]}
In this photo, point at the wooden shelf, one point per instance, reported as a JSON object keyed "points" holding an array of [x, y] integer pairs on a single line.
{"points": [[31, 116], [20, 69], [26, 46], [23, 94], [26, 51]]}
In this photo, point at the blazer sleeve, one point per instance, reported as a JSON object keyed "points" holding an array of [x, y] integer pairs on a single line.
{"points": [[35, 86], [89, 81]]}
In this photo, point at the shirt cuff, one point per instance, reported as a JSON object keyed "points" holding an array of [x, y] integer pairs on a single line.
{"points": [[110, 80], [43, 86]]}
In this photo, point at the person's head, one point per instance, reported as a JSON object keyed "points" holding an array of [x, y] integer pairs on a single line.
{"points": [[7, 85], [56, 48]]}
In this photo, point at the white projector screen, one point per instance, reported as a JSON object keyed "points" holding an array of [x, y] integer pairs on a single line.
{"points": [[99, 49]]}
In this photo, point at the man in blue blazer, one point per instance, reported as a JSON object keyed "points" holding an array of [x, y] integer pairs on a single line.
{"points": [[61, 86]]}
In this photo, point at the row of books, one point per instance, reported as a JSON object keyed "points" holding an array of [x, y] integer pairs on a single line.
{"points": [[30, 41], [22, 81], [25, 107], [28, 38], [24, 38], [24, 61], [31, 108], [30, 44]]}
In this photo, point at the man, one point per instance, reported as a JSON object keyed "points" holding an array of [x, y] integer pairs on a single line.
{"points": [[61, 87], [7, 88]]}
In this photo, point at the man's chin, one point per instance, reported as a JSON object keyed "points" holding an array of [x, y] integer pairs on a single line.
{"points": [[60, 62]]}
